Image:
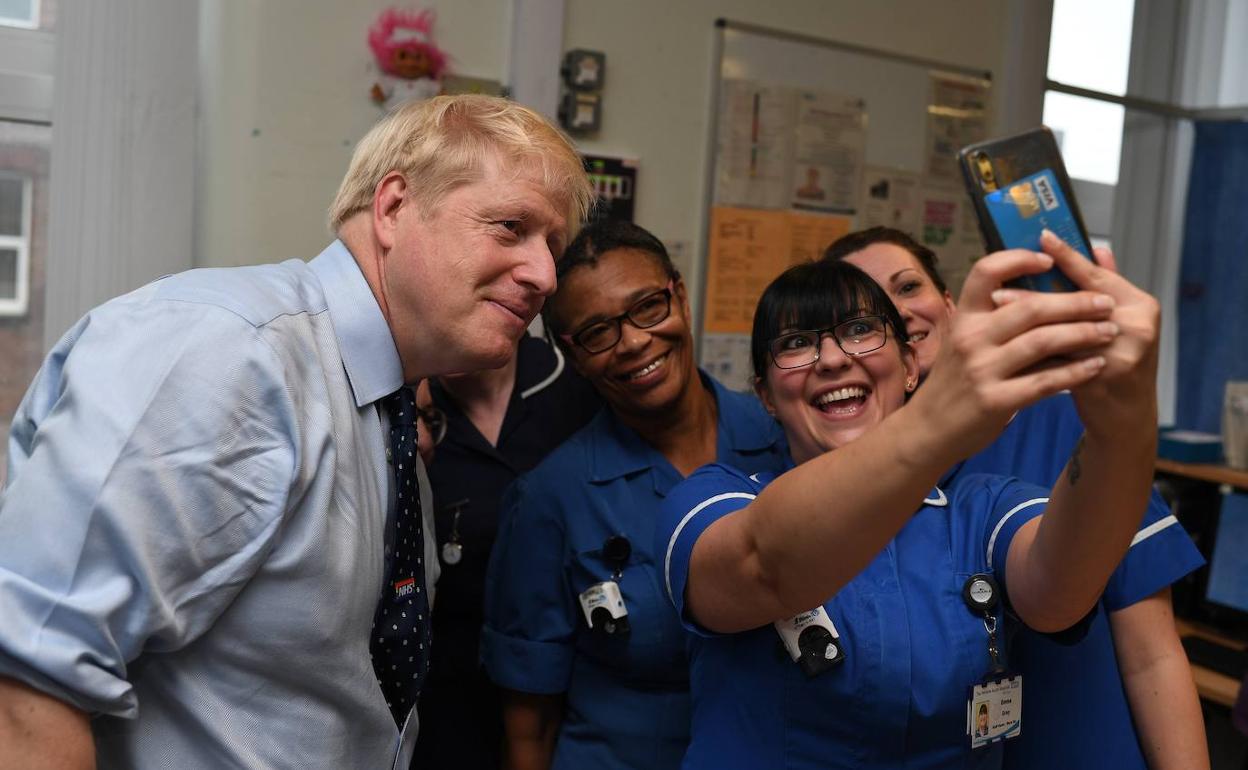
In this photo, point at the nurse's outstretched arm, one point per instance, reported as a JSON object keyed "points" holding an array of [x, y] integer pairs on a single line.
{"points": [[1058, 563], [811, 530], [1158, 681]]}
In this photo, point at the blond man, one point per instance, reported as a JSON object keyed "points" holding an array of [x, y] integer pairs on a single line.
{"points": [[194, 538]]}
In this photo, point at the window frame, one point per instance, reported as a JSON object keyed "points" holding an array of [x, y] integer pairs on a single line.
{"points": [[19, 303], [32, 23]]}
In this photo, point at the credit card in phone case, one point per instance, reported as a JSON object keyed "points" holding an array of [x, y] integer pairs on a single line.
{"points": [[1022, 209]]}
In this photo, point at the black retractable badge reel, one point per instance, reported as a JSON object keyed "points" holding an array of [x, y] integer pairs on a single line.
{"points": [[994, 705], [603, 603], [452, 549]]}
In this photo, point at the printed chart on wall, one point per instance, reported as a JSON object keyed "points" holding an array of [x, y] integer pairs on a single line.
{"points": [[789, 165], [748, 248], [891, 197], [949, 228], [828, 149], [813, 139], [781, 147], [956, 116]]}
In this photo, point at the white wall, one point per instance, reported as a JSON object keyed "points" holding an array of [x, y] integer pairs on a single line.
{"points": [[283, 95], [659, 59], [283, 98], [122, 197]]}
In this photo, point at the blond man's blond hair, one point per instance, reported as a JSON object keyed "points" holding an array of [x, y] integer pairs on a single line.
{"points": [[441, 143]]}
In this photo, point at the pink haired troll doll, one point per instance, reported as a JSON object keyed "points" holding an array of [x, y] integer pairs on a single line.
{"points": [[402, 42]]}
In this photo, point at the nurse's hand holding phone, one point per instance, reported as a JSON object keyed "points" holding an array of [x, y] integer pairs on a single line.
{"points": [[1125, 390], [1019, 188]]}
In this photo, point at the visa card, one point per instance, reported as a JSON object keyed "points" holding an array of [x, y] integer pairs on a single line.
{"points": [[1022, 209]]}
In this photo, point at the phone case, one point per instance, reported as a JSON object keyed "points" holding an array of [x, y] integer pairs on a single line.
{"points": [[1019, 187]]}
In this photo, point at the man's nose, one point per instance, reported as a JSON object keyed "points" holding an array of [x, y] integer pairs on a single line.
{"points": [[537, 268]]}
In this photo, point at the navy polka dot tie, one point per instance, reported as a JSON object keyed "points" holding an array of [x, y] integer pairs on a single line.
{"points": [[400, 638]]}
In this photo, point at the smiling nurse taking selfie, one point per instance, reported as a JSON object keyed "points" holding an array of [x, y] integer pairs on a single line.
{"points": [[875, 563], [1123, 695]]}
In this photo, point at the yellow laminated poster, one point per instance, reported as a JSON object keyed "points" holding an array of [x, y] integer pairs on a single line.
{"points": [[750, 247]]}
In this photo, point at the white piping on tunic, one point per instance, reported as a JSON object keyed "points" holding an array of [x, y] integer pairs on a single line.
{"points": [[559, 364], [992, 541], [671, 544], [1153, 529]]}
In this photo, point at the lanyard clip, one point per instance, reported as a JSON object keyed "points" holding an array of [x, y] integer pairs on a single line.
{"points": [[994, 651], [982, 596]]}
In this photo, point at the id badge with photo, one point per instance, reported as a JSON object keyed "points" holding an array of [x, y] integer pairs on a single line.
{"points": [[994, 710]]}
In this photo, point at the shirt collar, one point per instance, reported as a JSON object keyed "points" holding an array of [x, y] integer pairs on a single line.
{"points": [[937, 496], [538, 365], [617, 450], [364, 339]]}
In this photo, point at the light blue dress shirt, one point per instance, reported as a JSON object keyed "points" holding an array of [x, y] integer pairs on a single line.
{"points": [[191, 541]]}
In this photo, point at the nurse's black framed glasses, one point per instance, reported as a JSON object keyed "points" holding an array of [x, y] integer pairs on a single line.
{"points": [[600, 336], [855, 337]]}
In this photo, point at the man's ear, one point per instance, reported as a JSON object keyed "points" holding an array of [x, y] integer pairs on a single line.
{"points": [[388, 199]]}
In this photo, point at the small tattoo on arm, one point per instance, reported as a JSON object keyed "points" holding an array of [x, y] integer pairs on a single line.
{"points": [[1075, 467]]}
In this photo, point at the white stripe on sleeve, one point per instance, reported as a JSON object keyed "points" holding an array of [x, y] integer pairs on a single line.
{"points": [[671, 544], [992, 541], [1153, 529]]}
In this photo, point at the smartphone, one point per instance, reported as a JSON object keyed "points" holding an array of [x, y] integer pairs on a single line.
{"points": [[1019, 187]]}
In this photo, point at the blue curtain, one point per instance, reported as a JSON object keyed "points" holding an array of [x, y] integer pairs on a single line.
{"points": [[1213, 283]]}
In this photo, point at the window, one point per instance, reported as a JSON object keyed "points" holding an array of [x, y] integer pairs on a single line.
{"points": [[1090, 47], [19, 13], [27, 66], [1089, 133], [15, 203]]}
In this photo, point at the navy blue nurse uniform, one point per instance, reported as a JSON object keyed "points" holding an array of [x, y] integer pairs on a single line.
{"points": [[460, 709], [1079, 717], [627, 698], [912, 647]]}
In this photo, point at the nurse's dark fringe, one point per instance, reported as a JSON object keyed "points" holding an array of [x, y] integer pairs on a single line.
{"points": [[817, 295]]}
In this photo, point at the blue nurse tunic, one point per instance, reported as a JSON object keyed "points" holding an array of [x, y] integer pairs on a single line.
{"points": [[1080, 717], [912, 646], [627, 698]]}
